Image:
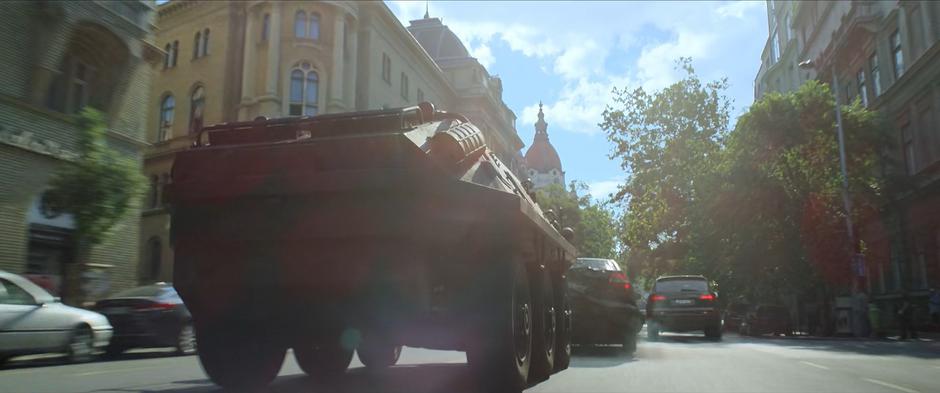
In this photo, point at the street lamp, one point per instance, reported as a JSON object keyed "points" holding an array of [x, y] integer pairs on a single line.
{"points": [[847, 203]]}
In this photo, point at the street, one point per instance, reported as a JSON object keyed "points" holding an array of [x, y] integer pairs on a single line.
{"points": [[675, 363]]}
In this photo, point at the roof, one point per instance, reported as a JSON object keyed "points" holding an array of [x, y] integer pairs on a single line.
{"points": [[437, 39], [542, 156]]}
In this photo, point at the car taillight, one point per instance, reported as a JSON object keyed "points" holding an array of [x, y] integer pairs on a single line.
{"points": [[619, 279], [154, 306], [657, 298], [707, 296]]}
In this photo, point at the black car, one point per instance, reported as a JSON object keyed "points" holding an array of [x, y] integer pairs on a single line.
{"points": [[603, 304], [734, 315], [148, 316], [683, 304], [767, 318]]}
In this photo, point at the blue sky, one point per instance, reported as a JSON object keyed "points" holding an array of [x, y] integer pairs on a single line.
{"points": [[570, 55]]}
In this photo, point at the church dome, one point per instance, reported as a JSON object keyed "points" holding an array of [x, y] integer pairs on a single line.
{"points": [[437, 39], [542, 156]]}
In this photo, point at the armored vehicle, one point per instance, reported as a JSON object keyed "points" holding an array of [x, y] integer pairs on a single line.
{"points": [[365, 231]]}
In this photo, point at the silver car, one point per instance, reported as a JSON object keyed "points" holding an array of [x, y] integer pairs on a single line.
{"points": [[34, 321]]}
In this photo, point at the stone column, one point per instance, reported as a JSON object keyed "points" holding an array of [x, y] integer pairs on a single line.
{"points": [[248, 66], [335, 102], [349, 73], [271, 102]]}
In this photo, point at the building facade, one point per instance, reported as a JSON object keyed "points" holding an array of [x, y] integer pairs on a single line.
{"points": [[887, 55], [234, 61], [57, 58], [542, 164]]}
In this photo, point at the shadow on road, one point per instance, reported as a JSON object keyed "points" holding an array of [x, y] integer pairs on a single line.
{"points": [[60, 360], [599, 356]]}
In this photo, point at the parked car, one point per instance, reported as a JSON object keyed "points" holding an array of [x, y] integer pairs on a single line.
{"points": [[149, 316], [33, 321], [767, 318], [603, 304], [734, 315], [682, 304]]}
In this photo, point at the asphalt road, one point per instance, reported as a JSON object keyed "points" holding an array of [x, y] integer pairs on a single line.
{"points": [[675, 363]]}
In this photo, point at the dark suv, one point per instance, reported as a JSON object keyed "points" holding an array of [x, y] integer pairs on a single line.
{"points": [[682, 304]]}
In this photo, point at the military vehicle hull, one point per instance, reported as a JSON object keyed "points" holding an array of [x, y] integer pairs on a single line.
{"points": [[372, 238]]}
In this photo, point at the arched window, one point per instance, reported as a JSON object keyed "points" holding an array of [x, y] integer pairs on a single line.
{"points": [[205, 42], [166, 57], [197, 103], [314, 26], [167, 106], [154, 198], [265, 27], [304, 92], [197, 45], [155, 251], [300, 24]]}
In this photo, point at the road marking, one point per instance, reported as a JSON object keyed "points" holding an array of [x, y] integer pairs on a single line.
{"points": [[811, 364], [85, 374], [890, 385]]}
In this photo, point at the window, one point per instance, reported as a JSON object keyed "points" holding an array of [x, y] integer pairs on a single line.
{"points": [[897, 55], [81, 78], [205, 43], [789, 28], [860, 80], [265, 26], [300, 24], [155, 250], [197, 103], [167, 106], [11, 293], [908, 145], [774, 48], [875, 74], [167, 55], [404, 86], [197, 45], [154, 197], [420, 95], [386, 69], [304, 92], [175, 53], [314, 26]]}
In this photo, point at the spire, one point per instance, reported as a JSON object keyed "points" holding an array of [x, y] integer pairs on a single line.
{"points": [[541, 127], [427, 9]]}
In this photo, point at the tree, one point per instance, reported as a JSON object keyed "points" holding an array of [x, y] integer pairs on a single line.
{"points": [[593, 223], [98, 190], [666, 141]]}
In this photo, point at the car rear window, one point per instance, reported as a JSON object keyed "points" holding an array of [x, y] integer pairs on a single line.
{"points": [[681, 285], [596, 263]]}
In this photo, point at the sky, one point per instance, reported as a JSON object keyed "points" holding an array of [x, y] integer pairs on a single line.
{"points": [[570, 55]]}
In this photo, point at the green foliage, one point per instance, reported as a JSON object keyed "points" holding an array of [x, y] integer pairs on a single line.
{"points": [[100, 187], [593, 222]]}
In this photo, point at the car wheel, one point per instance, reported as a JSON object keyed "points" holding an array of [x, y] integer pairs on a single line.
{"points": [[375, 354], [629, 343], [713, 333], [502, 357], [81, 345], [239, 358], [545, 327], [652, 331], [563, 325], [186, 340], [326, 360]]}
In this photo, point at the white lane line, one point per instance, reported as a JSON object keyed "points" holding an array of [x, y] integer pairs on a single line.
{"points": [[811, 364], [85, 374], [890, 385]]}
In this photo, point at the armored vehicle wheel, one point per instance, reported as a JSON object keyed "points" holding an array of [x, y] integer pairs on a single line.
{"points": [[323, 361], [563, 324], [239, 358], [375, 354], [544, 339], [502, 357]]}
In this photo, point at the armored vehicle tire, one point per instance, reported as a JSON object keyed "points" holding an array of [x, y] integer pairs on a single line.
{"points": [[375, 354], [563, 324], [544, 339], [501, 358], [323, 361], [239, 358]]}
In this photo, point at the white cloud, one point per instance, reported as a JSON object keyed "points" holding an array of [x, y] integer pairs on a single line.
{"points": [[407, 10], [483, 54], [578, 108], [737, 9], [602, 190], [656, 64]]}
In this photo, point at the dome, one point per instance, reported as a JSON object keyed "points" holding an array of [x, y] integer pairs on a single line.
{"points": [[437, 39], [542, 156]]}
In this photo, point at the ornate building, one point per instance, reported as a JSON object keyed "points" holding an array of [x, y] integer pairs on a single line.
{"points": [[57, 58], [232, 61], [541, 160]]}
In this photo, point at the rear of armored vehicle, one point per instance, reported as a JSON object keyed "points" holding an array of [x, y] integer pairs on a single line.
{"points": [[364, 231]]}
